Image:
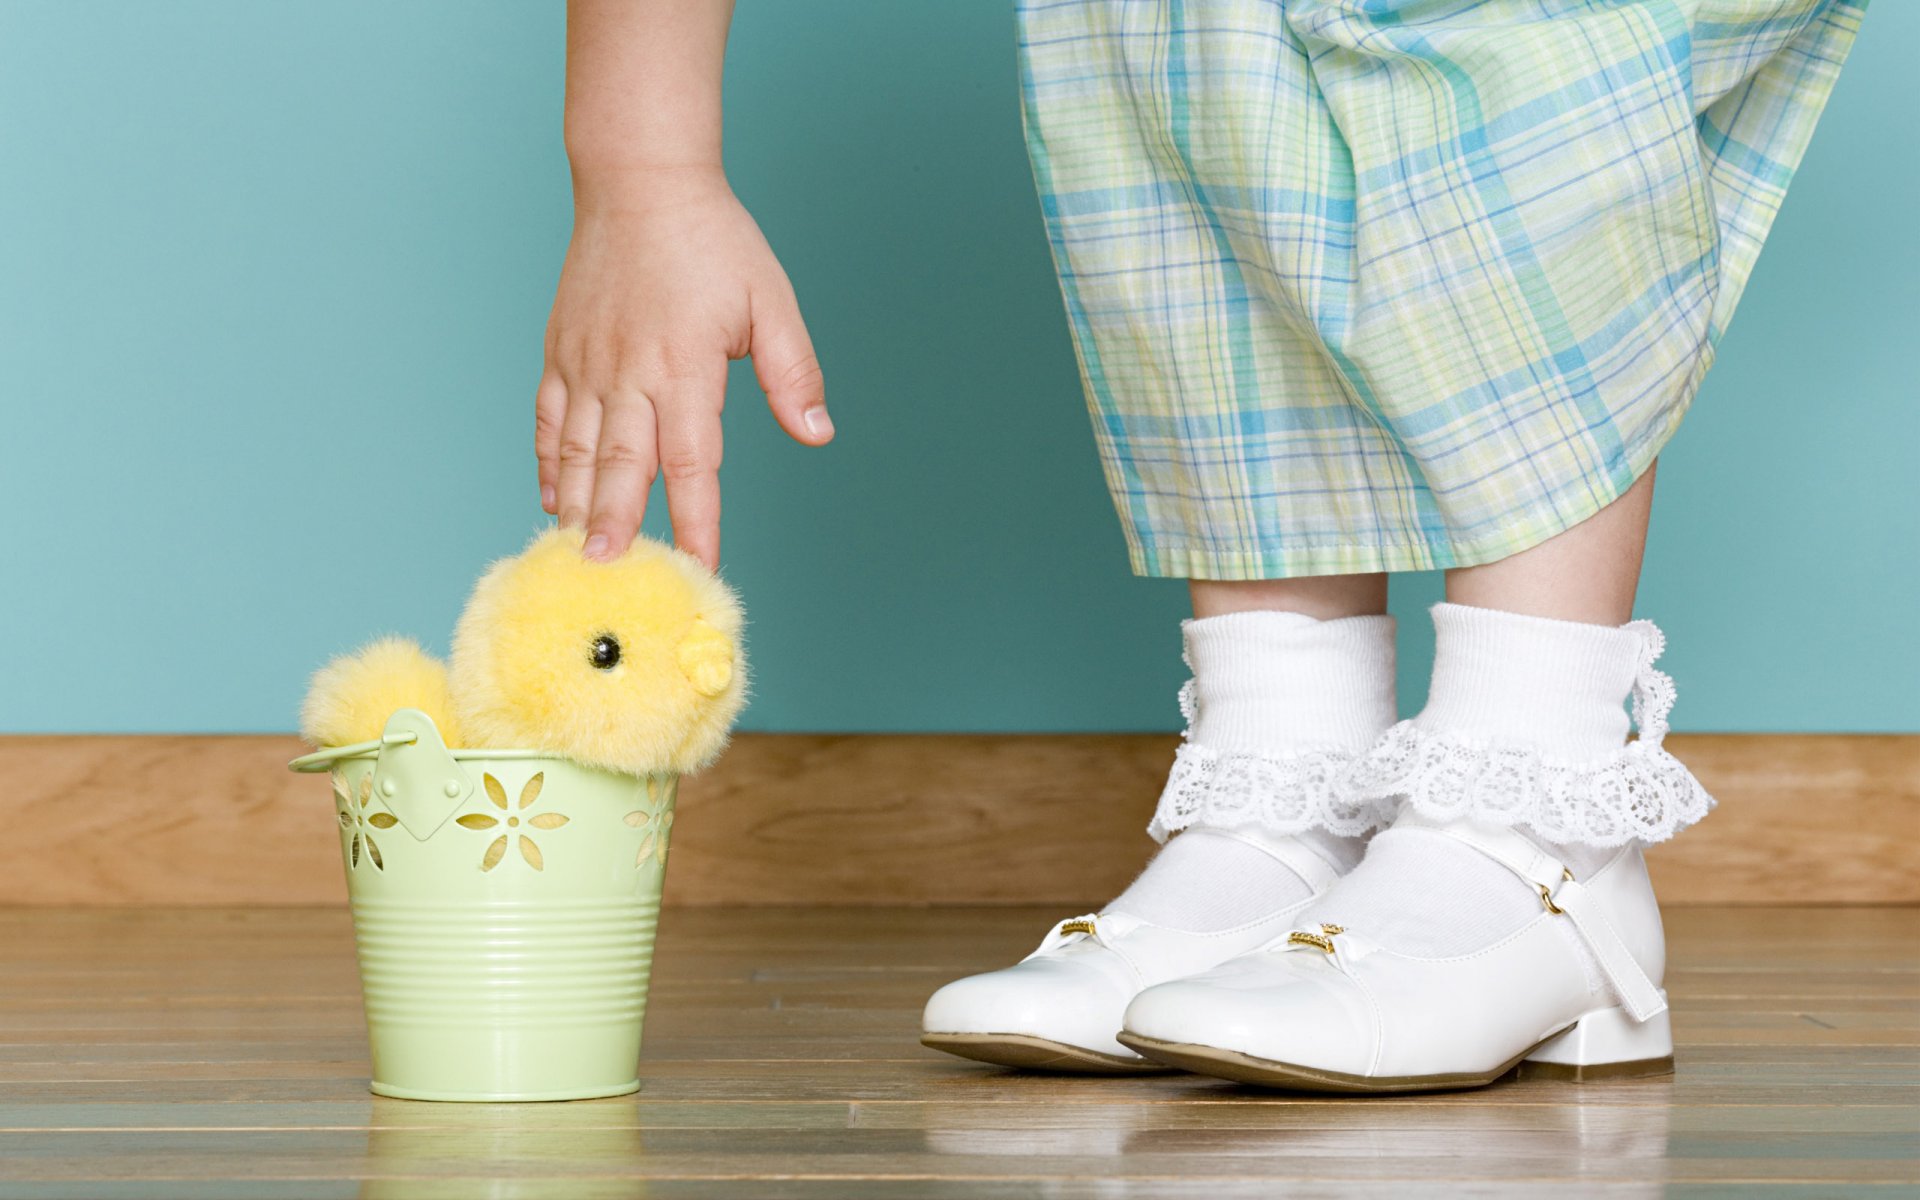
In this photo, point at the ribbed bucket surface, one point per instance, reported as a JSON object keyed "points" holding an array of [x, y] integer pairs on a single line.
{"points": [[504, 954]]}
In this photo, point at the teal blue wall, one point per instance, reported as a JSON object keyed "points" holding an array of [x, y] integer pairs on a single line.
{"points": [[272, 285]]}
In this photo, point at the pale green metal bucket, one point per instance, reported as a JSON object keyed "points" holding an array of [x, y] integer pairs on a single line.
{"points": [[504, 906]]}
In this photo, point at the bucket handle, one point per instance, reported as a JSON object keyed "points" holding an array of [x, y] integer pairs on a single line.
{"points": [[324, 758]]}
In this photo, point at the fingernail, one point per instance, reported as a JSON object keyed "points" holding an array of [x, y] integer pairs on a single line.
{"points": [[547, 496], [596, 546], [818, 423]]}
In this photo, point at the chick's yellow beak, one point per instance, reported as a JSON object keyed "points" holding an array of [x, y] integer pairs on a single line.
{"points": [[706, 659]]}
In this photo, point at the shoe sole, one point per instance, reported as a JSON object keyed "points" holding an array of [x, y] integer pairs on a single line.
{"points": [[1037, 1054], [1245, 1068]]}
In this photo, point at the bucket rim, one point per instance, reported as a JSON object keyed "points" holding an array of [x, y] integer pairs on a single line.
{"points": [[326, 757]]}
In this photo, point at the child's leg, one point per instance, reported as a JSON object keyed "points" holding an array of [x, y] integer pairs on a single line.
{"points": [[1533, 658], [1327, 326], [1322, 597], [1281, 668], [1452, 942], [1588, 573], [1280, 704]]}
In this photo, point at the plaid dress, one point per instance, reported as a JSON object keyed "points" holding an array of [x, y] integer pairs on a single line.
{"points": [[1391, 285]]}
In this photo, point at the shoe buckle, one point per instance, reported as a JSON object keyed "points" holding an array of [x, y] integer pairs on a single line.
{"points": [[1546, 893]]}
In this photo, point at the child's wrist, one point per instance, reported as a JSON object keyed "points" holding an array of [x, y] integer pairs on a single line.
{"points": [[600, 184]]}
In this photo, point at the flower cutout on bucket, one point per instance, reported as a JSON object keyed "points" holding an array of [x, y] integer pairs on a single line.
{"points": [[515, 822], [657, 820], [355, 821]]}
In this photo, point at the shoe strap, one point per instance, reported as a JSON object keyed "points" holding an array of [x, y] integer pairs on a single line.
{"points": [[1316, 872], [1562, 895]]}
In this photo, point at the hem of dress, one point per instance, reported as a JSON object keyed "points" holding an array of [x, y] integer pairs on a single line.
{"points": [[1179, 562]]}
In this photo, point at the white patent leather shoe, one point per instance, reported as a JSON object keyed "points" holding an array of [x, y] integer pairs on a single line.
{"points": [[1327, 1010], [1060, 1008]]}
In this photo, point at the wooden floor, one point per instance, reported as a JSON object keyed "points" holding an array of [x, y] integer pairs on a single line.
{"points": [[206, 1054]]}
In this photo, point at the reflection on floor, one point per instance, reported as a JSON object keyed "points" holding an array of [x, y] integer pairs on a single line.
{"points": [[212, 1053]]}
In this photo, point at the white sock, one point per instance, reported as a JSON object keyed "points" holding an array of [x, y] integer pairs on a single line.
{"points": [[1275, 697], [1554, 689], [1273, 683], [1557, 688]]}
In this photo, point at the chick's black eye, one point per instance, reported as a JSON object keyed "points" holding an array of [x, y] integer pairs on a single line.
{"points": [[605, 654]]}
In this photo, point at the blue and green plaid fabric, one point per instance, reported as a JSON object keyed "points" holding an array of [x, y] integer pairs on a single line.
{"points": [[1365, 285]]}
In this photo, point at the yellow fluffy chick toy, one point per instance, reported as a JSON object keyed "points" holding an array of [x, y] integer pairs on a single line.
{"points": [[632, 665]]}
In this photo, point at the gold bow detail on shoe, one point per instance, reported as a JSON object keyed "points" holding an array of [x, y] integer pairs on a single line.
{"points": [[1097, 927], [1319, 941]]}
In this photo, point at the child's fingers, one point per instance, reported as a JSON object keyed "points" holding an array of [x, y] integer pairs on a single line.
{"points": [[549, 411], [784, 361], [579, 443], [690, 460], [623, 475]]}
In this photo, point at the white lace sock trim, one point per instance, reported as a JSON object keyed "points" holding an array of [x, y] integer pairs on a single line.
{"points": [[1641, 793], [1278, 706], [1281, 794]]}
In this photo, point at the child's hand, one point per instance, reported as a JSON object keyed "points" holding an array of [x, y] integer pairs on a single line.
{"points": [[667, 278]]}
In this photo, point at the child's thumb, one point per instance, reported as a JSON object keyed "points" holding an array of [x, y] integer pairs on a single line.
{"points": [[789, 374]]}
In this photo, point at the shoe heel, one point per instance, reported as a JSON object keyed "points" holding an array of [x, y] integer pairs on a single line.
{"points": [[1607, 1044]]}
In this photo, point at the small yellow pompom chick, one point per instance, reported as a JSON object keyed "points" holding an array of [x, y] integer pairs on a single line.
{"points": [[351, 697], [632, 665]]}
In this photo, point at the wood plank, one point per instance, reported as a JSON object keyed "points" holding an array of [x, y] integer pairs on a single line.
{"points": [[530, 1152], [885, 819], [218, 1053], [896, 1187], [373, 1112]]}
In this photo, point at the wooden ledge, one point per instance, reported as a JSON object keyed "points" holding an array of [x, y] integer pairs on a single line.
{"points": [[885, 819]]}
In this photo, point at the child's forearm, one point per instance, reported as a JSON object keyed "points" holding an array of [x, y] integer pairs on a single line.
{"points": [[666, 279], [643, 88]]}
